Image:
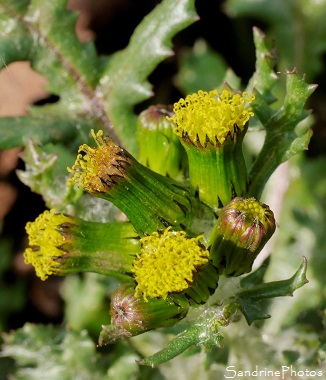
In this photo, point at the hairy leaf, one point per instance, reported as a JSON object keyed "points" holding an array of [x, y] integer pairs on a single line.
{"points": [[283, 138], [43, 32], [40, 350], [247, 299], [97, 91], [46, 172], [16, 131], [125, 82]]}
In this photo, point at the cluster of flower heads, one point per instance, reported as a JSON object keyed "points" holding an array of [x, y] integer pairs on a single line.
{"points": [[162, 249]]}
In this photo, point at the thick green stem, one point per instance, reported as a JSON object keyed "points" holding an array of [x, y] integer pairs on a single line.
{"points": [[105, 248], [178, 345]]}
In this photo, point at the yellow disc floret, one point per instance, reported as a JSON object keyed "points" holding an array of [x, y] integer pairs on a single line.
{"points": [[95, 167], [44, 239], [167, 263], [252, 209], [211, 116]]}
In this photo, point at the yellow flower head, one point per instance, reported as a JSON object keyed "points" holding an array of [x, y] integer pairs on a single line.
{"points": [[45, 241], [97, 168], [167, 263], [211, 115]]}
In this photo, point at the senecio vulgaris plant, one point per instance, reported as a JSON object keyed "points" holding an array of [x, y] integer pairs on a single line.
{"points": [[193, 218]]}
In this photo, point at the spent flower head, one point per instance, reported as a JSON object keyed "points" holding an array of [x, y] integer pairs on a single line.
{"points": [[97, 168], [132, 315]]}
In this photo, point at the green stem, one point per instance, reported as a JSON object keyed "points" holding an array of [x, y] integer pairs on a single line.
{"points": [[175, 347]]}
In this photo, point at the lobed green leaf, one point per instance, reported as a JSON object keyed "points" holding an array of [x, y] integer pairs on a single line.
{"points": [[101, 90], [247, 299], [43, 32], [283, 138], [264, 77], [124, 82]]}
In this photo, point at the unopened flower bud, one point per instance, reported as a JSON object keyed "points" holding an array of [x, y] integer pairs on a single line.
{"points": [[132, 315], [159, 147], [241, 231]]}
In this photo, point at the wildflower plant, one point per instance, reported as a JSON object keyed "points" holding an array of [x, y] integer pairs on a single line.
{"points": [[179, 211]]}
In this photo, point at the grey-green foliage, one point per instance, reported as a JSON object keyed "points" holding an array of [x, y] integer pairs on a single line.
{"points": [[303, 217], [94, 92], [46, 351], [86, 304]]}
